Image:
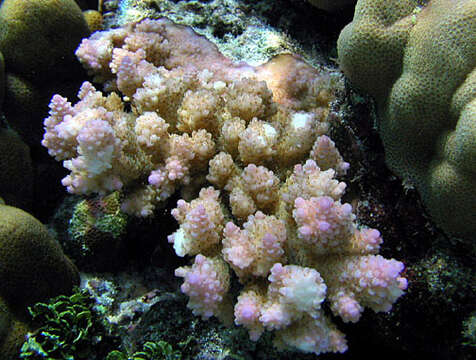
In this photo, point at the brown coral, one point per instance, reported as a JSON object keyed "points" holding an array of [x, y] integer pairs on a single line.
{"points": [[37, 39], [34, 267], [16, 175]]}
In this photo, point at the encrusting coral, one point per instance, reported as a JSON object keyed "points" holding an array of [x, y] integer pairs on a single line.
{"points": [[417, 59], [94, 20], [95, 233], [258, 134]]}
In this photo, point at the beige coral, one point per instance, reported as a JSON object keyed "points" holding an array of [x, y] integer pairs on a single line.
{"points": [[418, 59]]}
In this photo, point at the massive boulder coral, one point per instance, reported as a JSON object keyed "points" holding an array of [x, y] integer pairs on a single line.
{"points": [[37, 39], [31, 36], [188, 117], [33, 268], [16, 176], [417, 59], [31, 258], [12, 332]]}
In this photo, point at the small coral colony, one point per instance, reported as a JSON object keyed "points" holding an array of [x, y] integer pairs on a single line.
{"points": [[253, 143]]}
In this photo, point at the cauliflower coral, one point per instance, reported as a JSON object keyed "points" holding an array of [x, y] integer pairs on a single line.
{"points": [[179, 115], [289, 259]]}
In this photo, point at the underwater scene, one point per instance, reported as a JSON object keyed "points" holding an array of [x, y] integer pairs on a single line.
{"points": [[237, 179]]}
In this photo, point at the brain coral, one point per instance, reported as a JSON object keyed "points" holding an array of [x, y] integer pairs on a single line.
{"points": [[37, 40], [33, 266], [417, 59], [32, 36]]}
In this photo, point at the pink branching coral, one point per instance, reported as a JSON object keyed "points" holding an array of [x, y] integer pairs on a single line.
{"points": [[324, 221], [258, 135], [188, 103], [306, 250], [203, 224], [254, 249], [207, 284]]}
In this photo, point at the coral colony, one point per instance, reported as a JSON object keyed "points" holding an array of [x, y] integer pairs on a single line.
{"points": [[254, 139]]}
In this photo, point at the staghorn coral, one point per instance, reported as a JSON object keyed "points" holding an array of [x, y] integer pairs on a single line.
{"points": [[258, 134], [417, 59]]}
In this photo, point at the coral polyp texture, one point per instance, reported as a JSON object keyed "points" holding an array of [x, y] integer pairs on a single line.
{"points": [[290, 257], [418, 60], [188, 104], [253, 143]]}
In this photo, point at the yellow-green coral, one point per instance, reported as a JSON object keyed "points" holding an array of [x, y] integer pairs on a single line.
{"points": [[96, 230], [94, 20], [103, 215], [418, 58], [37, 40], [33, 266], [32, 35], [12, 333]]}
